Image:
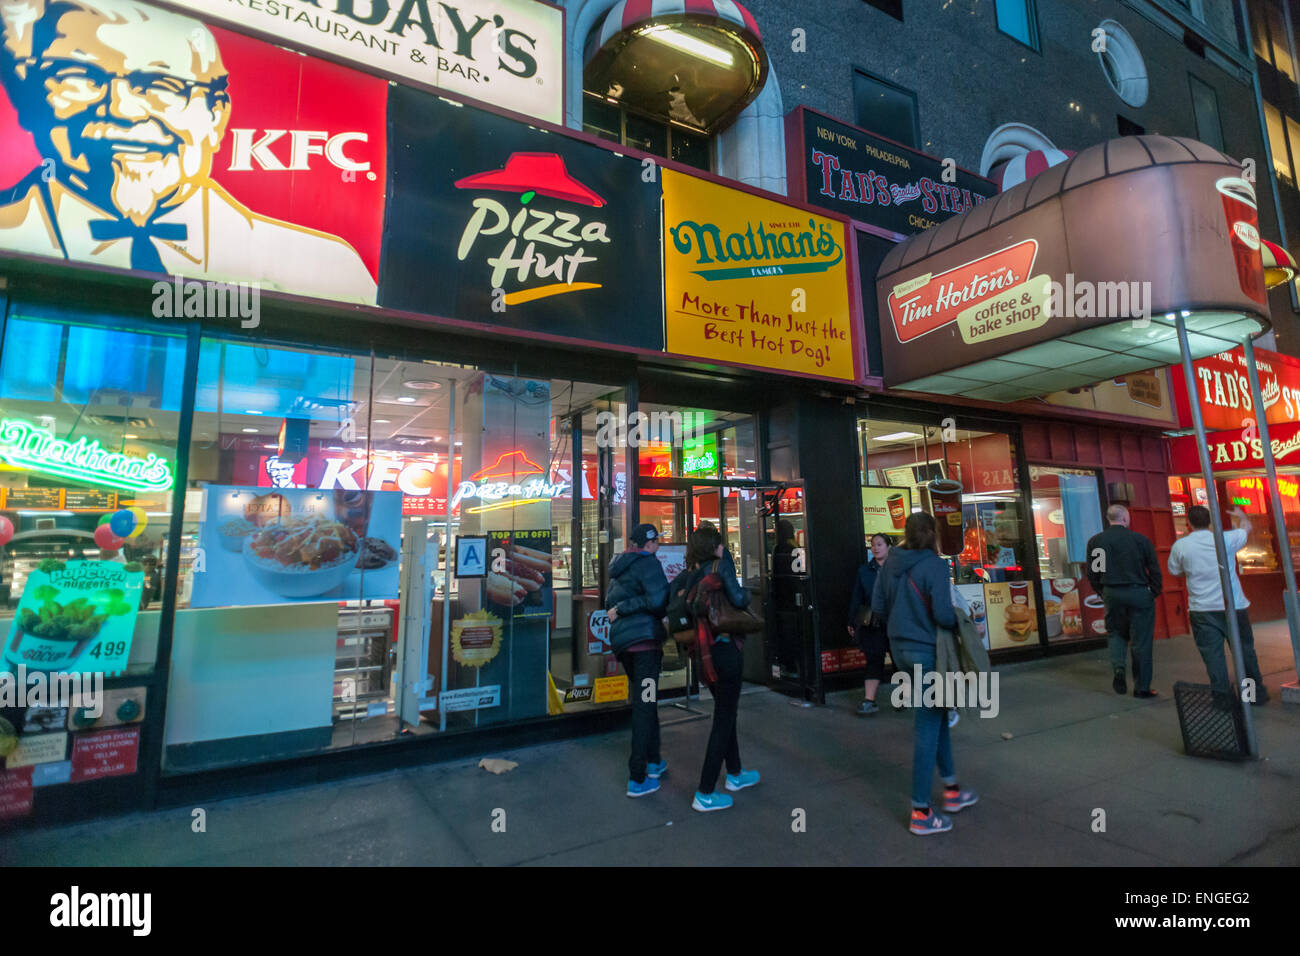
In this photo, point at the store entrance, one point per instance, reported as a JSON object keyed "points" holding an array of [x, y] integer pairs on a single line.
{"points": [[745, 513]]}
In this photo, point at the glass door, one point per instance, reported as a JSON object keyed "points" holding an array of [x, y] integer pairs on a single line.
{"points": [[1067, 512]]}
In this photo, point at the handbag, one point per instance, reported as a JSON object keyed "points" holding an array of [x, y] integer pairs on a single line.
{"points": [[723, 616]]}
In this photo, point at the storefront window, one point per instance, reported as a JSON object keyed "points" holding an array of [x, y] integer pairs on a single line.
{"points": [[88, 424], [969, 481], [1067, 512]]}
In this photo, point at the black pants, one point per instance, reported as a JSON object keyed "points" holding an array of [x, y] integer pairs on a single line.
{"points": [[727, 661], [640, 667], [1130, 621]]}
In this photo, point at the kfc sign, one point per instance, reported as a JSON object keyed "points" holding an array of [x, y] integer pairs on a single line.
{"points": [[507, 52], [138, 138]]}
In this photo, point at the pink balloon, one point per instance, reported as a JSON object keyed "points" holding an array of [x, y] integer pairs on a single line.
{"points": [[106, 540], [6, 530]]}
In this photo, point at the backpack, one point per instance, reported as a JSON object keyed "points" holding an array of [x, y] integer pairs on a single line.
{"points": [[680, 614]]}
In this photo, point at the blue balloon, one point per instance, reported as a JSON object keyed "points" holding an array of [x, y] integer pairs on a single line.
{"points": [[122, 522]]}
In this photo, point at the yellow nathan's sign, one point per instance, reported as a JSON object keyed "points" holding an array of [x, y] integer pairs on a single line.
{"points": [[749, 281]]}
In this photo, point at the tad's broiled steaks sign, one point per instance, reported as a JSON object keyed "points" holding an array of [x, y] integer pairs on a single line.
{"points": [[507, 52], [523, 229]]}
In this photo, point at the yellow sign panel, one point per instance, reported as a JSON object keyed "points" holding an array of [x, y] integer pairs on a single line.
{"points": [[749, 281], [476, 638], [608, 689]]}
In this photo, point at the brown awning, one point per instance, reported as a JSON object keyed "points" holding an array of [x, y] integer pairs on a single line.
{"points": [[1074, 276]]}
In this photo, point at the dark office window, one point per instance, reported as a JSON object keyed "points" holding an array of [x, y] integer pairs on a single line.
{"points": [[618, 125], [893, 7], [1205, 107], [1018, 19], [886, 109], [1129, 128]]}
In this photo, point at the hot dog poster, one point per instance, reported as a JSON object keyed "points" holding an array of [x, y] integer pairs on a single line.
{"points": [[519, 580]]}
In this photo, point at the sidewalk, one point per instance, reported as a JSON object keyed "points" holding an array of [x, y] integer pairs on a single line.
{"points": [[1075, 746]]}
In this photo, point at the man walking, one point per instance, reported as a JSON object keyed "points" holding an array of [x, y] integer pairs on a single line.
{"points": [[1194, 556], [1123, 570], [638, 599]]}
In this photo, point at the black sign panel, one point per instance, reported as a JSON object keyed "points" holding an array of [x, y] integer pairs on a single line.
{"points": [[879, 182], [494, 221]]}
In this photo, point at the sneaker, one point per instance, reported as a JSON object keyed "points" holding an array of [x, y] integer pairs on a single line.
{"points": [[704, 802], [649, 785], [925, 822], [954, 800], [867, 708], [1120, 685], [656, 770], [953, 717], [746, 778], [1146, 694]]}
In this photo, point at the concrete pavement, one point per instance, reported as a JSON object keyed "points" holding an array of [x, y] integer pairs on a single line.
{"points": [[1075, 747]]}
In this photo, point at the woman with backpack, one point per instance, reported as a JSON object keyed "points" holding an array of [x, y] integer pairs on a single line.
{"points": [[913, 597], [721, 661], [867, 631]]}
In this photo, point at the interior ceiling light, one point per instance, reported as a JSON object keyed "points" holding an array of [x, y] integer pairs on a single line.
{"points": [[381, 421], [671, 36], [406, 399], [897, 436], [130, 436], [250, 431], [421, 385]]}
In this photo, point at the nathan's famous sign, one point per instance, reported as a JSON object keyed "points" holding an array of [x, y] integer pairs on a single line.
{"points": [[508, 52], [137, 138], [754, 282]]}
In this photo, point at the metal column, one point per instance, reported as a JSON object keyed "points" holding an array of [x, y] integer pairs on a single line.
{"points": [[1216, 520]]}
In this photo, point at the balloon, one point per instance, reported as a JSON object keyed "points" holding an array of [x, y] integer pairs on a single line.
{"points": [[122, 522], [106, 539], [141, 519], [6, 530], [104, 520]]}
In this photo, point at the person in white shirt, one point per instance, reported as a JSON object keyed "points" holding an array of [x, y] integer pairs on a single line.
{"points": [[1194, 556]]}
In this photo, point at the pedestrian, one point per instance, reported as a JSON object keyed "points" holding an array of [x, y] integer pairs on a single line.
{"points": [[868, 631], [151, 588], [913, 597], [637, 600], [784, 585], [1194, 556], [706, 555], [1122, 569]]}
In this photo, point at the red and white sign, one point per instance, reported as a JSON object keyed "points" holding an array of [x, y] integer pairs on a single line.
{"points": [[1235, 451], [1223, 389], [929, 302], [16, 792], [110, 753]]}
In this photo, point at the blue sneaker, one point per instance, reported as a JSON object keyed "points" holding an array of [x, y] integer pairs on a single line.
{"points": [[704, 802], [656, 770], [957, 799], [635, 789], [926, 822], [746, 778]]}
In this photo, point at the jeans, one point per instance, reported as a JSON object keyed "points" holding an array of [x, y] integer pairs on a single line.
{"points": [[727, 661], [931, 743], [1131, 620], [1210, 631], [642, 666]]}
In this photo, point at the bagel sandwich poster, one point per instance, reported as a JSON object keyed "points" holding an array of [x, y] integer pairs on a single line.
{"points": [[296, 545]]}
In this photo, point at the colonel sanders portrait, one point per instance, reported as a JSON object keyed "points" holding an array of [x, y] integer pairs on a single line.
{"points": [[128, 106]]}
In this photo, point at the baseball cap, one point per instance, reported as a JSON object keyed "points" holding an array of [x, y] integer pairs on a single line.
{"points": [[643, 534]]}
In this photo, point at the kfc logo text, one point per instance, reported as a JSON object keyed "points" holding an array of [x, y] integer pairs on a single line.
{"points": [[248, 147]]}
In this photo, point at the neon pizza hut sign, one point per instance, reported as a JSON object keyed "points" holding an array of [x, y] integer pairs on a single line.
{"points": [[24, 445], [499, 485]]}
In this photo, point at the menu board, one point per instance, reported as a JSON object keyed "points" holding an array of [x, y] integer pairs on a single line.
{"points": [[294, 545], [88, 500], [35, 498], [519, 577]]}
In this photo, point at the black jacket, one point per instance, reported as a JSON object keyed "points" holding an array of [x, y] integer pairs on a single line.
{"points": [[638, 588], [783, 582], [863, 588], [1129, 560]]}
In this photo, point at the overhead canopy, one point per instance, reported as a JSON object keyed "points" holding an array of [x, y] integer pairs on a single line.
{"points": [[695, 62], [1075, 276]]}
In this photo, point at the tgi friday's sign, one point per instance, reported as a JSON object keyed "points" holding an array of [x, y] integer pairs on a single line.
{"points": [[507, 52]]}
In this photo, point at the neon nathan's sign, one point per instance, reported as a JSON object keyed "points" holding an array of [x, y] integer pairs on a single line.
{"points": [[24, 445]]}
